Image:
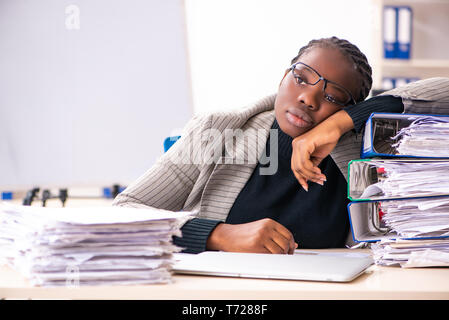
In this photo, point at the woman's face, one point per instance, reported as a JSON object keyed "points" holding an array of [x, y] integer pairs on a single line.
{"points": [[298, 108]]}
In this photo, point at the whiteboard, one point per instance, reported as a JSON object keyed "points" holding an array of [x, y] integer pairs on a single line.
{"points": [[89, 89]]}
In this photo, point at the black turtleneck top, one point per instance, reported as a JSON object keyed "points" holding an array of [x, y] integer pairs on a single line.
{"points": [[317, 218]]}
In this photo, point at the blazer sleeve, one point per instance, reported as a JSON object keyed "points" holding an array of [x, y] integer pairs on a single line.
{"points": [[168, 183], [195, 233], [361, 111]]}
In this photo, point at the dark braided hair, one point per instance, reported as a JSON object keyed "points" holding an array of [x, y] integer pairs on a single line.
{"points": [[354, 55]]}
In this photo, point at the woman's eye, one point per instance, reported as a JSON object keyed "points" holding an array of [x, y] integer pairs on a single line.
{"points": [[299, 80], [330, 98]]}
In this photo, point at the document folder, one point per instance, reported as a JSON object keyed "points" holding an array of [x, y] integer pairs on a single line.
{"points": [[397, 31], [386, 179], [381, 129], [390, 27], [404, 32], [368, 224]]}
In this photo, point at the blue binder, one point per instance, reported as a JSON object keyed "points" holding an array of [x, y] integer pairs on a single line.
{"points": [[397, 31], [362, 175], [390, 34], [361, 225], [404, 31], [369, 149]]}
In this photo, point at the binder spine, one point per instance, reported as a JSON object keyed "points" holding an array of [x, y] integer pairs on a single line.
{"points": [[390, 15], [404, 32]]}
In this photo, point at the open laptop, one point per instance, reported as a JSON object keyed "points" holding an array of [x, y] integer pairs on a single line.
{"points": [[303, 265]]}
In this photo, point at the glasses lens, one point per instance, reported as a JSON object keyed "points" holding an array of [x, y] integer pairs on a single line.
{"points": [[306, 74], [337, 94]]}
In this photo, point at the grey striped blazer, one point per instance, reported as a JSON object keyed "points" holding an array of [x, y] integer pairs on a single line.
{"points": [[196, 174]]}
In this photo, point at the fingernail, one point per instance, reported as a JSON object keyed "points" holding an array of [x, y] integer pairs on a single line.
{"points": [[305, 187], [320, 182]]}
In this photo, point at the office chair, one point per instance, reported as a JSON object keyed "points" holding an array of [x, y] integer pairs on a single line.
{"points": [[169, 141]]}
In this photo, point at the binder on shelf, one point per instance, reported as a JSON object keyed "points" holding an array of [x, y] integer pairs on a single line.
{"points": [[368, 222], [381, 129], [389, 179], [389, 83], [390, 27], [404, 32], [397, 32]]}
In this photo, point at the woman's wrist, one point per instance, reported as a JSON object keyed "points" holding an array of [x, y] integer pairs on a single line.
{"points": [[214, 240], [340, 121]]}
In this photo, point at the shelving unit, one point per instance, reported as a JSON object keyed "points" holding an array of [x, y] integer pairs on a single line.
{"points": [[430, 42]]}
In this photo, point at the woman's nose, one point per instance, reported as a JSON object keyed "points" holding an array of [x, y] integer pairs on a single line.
{"points": [[310, 96]]}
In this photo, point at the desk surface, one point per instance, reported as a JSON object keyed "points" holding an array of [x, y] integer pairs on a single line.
{"points": [[376, 283]]}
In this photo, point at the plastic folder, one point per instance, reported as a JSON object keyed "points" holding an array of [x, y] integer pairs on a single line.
{"points": [[380, 128], [366, 223], [386, 179]]}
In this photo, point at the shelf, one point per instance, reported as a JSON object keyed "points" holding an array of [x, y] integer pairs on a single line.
{"points": [[416, 63]]}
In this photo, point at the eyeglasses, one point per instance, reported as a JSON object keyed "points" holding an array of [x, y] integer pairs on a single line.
{"points": [[333, 92]]}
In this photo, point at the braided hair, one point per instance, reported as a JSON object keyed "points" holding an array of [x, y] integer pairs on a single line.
{"points": [[354, 55]]}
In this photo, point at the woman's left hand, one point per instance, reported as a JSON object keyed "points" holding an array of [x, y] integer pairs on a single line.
{"points": [[310, 148]]}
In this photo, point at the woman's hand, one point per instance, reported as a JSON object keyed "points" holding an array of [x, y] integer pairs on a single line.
{"points": [[310, 148], [261, 236]]}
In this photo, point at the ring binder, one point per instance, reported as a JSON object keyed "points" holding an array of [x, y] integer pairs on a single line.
{"points": [[397, 32], [390, 31], [404, 32]]}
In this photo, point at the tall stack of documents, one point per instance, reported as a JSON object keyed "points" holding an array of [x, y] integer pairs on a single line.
{"points": [[89, 246], [401, 206]]}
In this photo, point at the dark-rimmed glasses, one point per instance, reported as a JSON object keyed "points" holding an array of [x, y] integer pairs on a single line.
{"points": [[333, 92]]}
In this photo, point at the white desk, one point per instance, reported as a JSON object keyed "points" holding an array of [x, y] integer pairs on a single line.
{"points": [[377, 283]]}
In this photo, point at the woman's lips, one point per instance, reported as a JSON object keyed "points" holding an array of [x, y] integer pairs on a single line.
{"points": [[298, 119]]}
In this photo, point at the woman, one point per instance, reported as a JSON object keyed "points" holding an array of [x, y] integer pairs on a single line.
{"points": [[247, 206]]}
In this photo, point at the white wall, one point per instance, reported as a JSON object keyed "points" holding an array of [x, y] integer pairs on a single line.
{"points": [[239, 49], [92, 105]]}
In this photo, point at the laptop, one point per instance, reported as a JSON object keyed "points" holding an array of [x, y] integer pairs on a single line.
{"points": [[303, 265]]}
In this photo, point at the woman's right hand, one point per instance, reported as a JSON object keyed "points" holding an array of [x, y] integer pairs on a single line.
{"points": [[261, 236]]}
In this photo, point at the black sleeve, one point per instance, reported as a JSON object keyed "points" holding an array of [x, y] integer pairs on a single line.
{"points": [[361, 111], [195, 234]]}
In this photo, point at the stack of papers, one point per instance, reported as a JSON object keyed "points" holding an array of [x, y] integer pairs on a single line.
{"points": [[426, 217], [412, 253], [425, 222], [425, 136], [408, 178], [89, 246]]}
